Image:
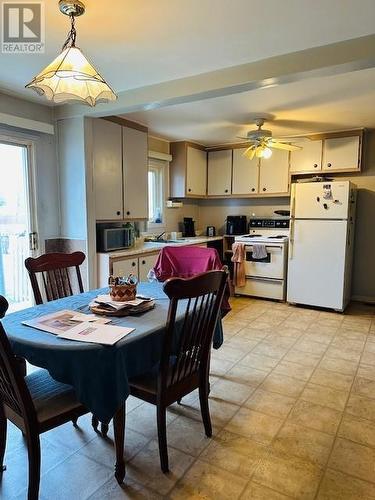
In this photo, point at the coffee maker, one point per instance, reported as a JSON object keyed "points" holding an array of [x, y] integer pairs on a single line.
{"points": [[189, 229], [236, 224]]}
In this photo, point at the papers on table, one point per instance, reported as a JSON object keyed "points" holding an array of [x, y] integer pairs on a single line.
{"points": [[137, 305], [96, 333], [61, 321], [74, 325]]}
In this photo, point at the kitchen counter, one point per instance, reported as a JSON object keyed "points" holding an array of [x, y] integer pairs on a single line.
{"points": [[141, 248]]}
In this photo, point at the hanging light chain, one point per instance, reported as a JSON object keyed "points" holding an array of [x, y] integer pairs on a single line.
{"points": [[72, 35]]}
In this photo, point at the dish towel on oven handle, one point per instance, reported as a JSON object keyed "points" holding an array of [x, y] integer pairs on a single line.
{"points": [[259, 251], [238, 259]]}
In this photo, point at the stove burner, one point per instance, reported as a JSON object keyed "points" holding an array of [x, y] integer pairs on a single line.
{"points": [[276, 237], [252, 236]]}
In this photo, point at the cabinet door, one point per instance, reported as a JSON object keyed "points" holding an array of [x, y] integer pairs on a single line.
{"points": [[135, 165], [341, 153], [196, 171], [307, 159], [125, 267], [219, 172], [107, 165], [145, 264], [245, 173], [274, 173]]}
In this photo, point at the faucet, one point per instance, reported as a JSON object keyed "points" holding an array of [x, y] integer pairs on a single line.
{"points": [[160, 235]]}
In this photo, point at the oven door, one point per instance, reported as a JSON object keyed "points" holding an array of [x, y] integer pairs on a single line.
{"points": [[271, 266]]}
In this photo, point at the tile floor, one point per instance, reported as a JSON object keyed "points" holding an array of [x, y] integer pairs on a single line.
{"points": [[293, 408]]}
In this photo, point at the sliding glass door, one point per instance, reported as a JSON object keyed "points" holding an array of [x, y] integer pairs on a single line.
{"points": [[18, 235]]}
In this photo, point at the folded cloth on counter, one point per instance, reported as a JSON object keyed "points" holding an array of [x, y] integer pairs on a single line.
{"points": [[238, 259], [259, 251]]}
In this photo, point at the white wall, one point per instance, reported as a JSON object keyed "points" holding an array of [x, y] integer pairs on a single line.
{"points": [[71, 156]]}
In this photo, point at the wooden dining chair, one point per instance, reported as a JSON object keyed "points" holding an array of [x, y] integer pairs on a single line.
{"points": [[185, 358], [55, 271], [3, 309], [35, 404]]}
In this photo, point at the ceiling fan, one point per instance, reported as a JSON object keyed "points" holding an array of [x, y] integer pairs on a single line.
{"points": [[261, 141]]}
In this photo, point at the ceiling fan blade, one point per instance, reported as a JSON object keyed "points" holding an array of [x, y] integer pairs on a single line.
{"points": [[246, 139], [282, 145], [249, 153]]}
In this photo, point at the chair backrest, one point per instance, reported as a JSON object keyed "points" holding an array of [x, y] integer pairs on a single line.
{"points": [[3, 306], [55, 271], [188, 342], [14, 394]]}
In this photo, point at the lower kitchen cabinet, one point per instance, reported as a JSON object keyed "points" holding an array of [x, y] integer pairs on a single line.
{"points": [[137, 265], [144, 265]]}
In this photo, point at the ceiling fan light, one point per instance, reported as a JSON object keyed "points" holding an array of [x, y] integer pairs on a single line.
{"points": [[267, 153], [71, 77]]}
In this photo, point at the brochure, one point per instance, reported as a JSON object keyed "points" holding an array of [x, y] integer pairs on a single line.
{"points": [[62, 321], [96, 333]]}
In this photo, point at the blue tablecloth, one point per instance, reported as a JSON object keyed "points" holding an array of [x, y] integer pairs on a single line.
{"points": [[99, 374]]}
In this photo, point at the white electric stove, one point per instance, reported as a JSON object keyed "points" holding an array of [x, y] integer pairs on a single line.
{"points": [[266, 277]]}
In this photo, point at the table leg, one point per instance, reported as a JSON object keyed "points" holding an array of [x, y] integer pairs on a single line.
{"points": [[119, 432]]}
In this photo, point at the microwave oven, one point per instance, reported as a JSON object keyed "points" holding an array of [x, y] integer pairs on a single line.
{"points": [[109, 239]]}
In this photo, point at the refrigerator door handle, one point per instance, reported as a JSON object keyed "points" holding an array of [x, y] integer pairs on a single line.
{"points": [[291, 239]]}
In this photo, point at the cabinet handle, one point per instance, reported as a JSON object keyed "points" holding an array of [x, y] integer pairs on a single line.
{"points": [[252, 189], [226, 191], [143, 262], [118, 212], [189, 190], [264, 189], [128, 213], [133, 264], [329, 164], [315, 165]]}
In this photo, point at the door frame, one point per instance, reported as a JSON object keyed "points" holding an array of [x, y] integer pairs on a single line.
{"points": [[31, 194]]}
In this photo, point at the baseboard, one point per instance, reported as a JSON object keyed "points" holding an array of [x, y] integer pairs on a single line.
{"points": [[363, 298]]}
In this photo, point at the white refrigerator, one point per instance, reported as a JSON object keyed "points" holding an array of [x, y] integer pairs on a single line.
{"points": [[321, 243]]}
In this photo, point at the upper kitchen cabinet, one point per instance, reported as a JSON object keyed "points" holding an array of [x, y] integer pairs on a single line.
{"points": [[341, 153], [135, 171], [107, 162], [188, 170], [219, 172], [307, 159], [330, 152], [245, 173], [274, 173], [120, 170]]}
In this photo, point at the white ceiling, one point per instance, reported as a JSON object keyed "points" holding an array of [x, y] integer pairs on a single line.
{"points": [[137, 43], [318, 104]]}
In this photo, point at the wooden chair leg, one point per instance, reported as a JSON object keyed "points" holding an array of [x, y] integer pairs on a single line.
{"points": [[3, 438], [33, 450], [94, 423], [104, 429], [204, 390], [162, 437], [74, 421], [119, 433]]}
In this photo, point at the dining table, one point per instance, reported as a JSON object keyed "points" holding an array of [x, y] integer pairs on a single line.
{"points": [[98, 373]]}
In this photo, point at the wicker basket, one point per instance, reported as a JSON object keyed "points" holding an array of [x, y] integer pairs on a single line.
{"points": [[122, 293]]}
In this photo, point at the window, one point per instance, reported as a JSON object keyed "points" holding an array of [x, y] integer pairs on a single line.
{"points": [[156, 171]]}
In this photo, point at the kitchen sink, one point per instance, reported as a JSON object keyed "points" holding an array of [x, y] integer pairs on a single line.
{"points": [[162, 240]]}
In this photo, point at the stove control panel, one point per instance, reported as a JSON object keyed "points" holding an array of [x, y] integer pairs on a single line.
{"points": [[269, 223]]}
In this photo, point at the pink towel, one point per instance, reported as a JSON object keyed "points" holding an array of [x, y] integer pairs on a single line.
{"points": [[188, 261], [239, 264]]}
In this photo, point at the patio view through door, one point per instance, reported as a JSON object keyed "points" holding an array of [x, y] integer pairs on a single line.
{"points": [[17, 222]]}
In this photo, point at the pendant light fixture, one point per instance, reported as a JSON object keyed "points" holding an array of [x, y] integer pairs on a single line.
{"points": [[71, 77]]}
